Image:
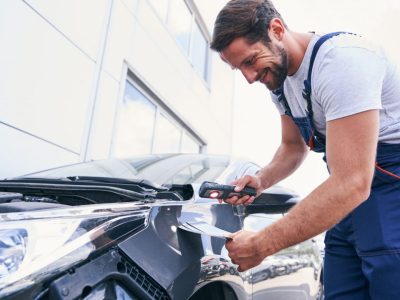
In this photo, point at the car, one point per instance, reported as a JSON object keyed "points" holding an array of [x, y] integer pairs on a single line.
{"points": [[113, 229], [270, 267]]}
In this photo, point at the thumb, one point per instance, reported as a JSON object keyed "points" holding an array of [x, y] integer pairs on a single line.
{"points": [[233, 234], [238, 188]]}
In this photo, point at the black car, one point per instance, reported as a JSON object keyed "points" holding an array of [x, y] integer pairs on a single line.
{"points": [[113, 229]]}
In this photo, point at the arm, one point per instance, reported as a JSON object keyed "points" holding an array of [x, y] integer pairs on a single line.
{"points": [[352, 169], [288, 157]]}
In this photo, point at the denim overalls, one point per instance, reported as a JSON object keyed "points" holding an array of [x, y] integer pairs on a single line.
{"points": [[362, 252]]}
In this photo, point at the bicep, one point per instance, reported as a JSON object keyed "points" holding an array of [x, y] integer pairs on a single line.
{"points": [[290, 133], [351, 145]]}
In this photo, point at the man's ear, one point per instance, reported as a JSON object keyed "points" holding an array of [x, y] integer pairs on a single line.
{"points": [[276, 29]]}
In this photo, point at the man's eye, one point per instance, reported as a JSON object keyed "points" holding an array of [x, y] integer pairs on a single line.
{"points": [[249, 62]]}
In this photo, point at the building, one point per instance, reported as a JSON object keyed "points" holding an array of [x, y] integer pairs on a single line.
{"points": [[82, 80]]}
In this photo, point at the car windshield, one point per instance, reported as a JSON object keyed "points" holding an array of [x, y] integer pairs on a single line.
{"points": [[160, 169]]}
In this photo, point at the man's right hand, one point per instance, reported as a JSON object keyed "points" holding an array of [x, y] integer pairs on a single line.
{"points": [[247, 180]]}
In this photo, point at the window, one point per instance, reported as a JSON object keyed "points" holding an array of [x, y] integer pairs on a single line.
{"points": [[136, 124], [180, 21], [199, 52], [145, 126], [251, 169], [185, 27], [257, 222], [198, 171], [167, 136]]}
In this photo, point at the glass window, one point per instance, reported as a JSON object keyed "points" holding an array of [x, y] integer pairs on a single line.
{"points": [[199, 52], [161, 6], [252, 169], [198, 171], [256, 222], [181, 177], [167, 136], [180, 19], [136, 124], [144, 127]]}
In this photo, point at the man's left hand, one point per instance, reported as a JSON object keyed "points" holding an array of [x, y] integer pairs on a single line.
{"points": [[244, 249]]}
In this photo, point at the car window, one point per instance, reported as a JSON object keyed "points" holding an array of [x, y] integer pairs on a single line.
{"points": [[256, 222], [251, 169], [197, 172], [171, 168]]}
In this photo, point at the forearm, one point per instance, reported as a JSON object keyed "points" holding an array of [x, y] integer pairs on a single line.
{"points": [[323, 208], [352, 171], [286, 160]]}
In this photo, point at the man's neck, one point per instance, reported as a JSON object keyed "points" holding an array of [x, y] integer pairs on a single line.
{"points": [[297, 44]]}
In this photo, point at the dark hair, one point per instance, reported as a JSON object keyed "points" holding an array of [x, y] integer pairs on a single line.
{"points": [[243, 18]]}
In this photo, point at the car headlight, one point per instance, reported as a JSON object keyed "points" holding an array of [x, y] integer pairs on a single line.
{"points": [[12, 250], [38, 244]]}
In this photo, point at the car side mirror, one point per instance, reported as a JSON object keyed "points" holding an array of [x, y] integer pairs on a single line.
{"points": [[270, 202]]}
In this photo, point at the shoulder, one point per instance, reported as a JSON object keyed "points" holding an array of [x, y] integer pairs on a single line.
{"points": [[348, 59], [346, 50], [348, 76]]}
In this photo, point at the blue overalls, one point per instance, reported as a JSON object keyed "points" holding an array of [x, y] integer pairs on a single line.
{"points": [[362, 252]]}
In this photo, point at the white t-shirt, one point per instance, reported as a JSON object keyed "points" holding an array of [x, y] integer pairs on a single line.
{"points": [[349, 76]]}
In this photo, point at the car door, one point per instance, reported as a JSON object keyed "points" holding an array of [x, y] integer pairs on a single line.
{"points": [[292, 273]]}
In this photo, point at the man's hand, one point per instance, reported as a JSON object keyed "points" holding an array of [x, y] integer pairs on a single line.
{"points": [[244, 249], [251, 181]]}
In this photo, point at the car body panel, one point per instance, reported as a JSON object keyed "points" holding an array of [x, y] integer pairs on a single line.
{"points": [[185, 263]]}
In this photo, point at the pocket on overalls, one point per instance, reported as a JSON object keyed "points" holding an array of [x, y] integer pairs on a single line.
{"points": [[387, 167], [386, 174], [375, 221]]}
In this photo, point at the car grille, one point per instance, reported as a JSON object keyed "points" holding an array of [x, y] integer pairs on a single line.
{"points": [[149, 285]]}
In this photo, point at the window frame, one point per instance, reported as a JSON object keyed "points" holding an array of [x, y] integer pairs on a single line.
{"points": [[161, 109], [196, 19]]}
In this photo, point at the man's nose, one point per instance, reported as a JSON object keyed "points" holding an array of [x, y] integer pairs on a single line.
{"points": [[250, 75]]}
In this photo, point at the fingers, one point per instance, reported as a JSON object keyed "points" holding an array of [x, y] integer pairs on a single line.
{"points": [[242, 265], [239, 184], [245, 200], [249, 201], [229, 244], [242, 182], [241, 251], [243, 268]]}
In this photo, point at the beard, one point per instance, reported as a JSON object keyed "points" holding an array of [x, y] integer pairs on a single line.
{"points": [[279, 71]]}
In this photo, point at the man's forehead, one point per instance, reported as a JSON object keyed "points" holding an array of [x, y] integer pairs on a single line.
{"points": [[222, 56], [236, 52]]}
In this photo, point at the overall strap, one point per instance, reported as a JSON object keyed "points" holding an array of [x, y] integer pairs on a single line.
{"points": [[307, 83], [311, 136], [282, 98]]}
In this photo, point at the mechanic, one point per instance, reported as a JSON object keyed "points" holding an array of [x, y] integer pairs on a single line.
{"points": [[340, 95]]}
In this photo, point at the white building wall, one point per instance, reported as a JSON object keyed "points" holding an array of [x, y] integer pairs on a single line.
{"points": [[63, 67]]}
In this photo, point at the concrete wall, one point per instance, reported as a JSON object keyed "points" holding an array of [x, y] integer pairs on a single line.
{"points": [[63, 68]]}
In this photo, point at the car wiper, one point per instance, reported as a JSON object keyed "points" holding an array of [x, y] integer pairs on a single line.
{"points": [[176, 192], [95, 189]]}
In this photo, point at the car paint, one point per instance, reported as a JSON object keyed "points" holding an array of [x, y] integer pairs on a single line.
{"points": [[185, 264]]}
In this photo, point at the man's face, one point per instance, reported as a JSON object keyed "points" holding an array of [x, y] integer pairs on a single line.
{"points": [[258, 62]]}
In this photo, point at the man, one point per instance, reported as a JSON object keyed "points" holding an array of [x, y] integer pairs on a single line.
{"points": [[343, 100]]}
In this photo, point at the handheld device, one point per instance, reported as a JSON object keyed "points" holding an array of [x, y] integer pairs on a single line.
{"points": [[223, 191]]}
